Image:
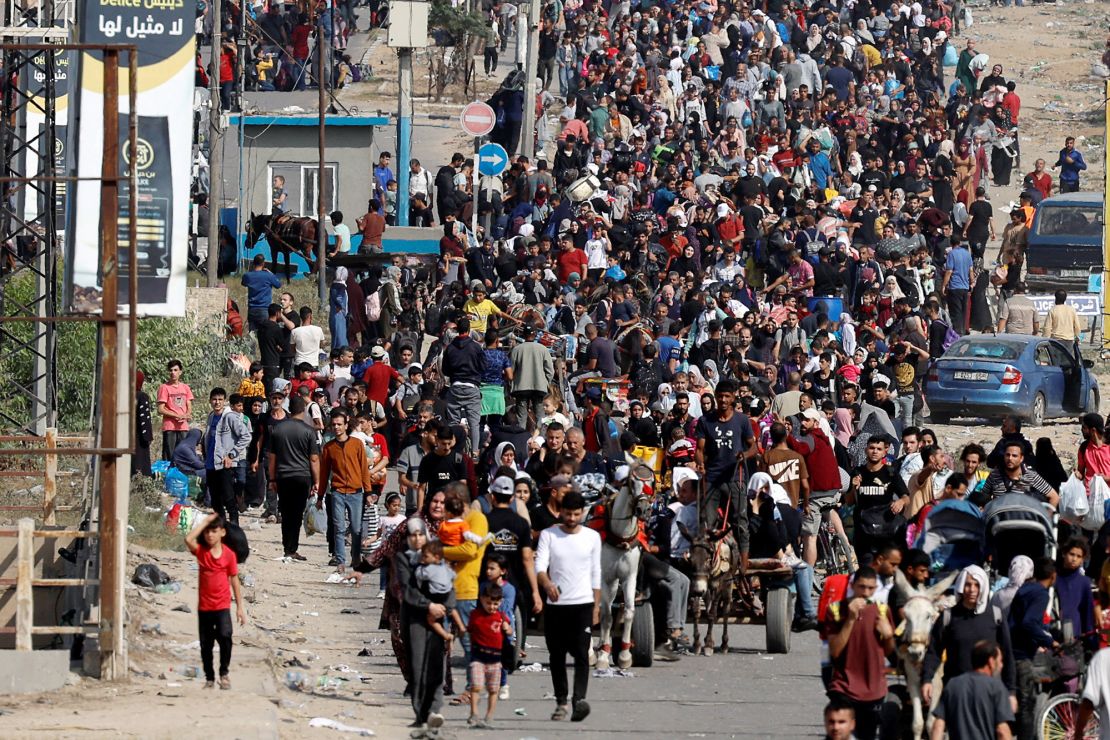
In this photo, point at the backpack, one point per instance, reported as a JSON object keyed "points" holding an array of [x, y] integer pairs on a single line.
{"points": [[833, 592], [950, 336], [374, 305]]}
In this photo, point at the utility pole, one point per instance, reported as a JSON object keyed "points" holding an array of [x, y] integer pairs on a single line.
{"points": [[322, 75], [404, 132], [215, 148], [528, 126]]}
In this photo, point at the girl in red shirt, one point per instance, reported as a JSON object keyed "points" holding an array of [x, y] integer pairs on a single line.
{"points": [[219, 578]]}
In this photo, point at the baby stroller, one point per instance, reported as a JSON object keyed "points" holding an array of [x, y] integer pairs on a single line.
{"points": [[1018, 525], [953, 536]]}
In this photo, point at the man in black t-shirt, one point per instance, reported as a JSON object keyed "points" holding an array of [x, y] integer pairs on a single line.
{"points": [[725, 440], [271, 343], [512, 538], [440, 466], [876, 487], [294, 472]]}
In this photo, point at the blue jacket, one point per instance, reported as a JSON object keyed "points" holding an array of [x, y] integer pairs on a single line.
{"points": [[1070, 172], [1027, 629]]}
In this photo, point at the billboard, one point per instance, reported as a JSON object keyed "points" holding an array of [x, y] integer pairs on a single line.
{"points": [[162, 31]]}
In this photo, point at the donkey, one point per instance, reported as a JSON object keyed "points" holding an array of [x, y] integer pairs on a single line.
{"points": [[923, 606], [716, 562]]}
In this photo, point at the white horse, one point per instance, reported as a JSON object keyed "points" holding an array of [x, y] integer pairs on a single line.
{"points": [[620, 561], [921, 610]]}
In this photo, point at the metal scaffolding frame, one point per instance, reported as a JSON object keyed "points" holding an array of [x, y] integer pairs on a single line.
{"points": [[104, 561], [29, 233]]}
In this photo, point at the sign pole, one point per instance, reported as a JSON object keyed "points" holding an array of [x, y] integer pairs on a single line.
{"points": [[1105, 293], [475, 188], [215, 148], [322, 76], [404, 133]]}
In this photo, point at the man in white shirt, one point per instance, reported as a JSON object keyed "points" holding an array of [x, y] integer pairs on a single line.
{"points": [[1096, 695], [307, 340], [568, 568]]}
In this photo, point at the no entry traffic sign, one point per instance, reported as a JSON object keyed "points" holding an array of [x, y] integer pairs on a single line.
{"points": [[477, 119]]}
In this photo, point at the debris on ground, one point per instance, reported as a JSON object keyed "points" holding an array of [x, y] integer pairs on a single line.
{"points": [[613, 673], [531, 668], [149, 575], [331, 724]]}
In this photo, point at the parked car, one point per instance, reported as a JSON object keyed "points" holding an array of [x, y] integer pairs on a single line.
{"points": [[1065, 243], [994, 375]]}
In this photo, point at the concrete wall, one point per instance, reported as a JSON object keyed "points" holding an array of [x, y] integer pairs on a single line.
{"points": [[349, 148]]}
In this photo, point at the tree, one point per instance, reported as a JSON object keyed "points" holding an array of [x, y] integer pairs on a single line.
{"points": [[458, 35]]}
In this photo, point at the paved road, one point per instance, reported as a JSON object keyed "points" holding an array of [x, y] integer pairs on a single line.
{"points": [[744, 694]]}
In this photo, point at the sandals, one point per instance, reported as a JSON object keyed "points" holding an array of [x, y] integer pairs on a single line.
{"points": [[560, 713], [459, 700], [225, 682]]}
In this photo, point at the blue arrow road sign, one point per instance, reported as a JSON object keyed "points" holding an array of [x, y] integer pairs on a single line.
{"points": [[492, 160]]}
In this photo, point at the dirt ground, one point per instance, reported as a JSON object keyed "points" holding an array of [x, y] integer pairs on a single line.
{"points": [[298, 622]]}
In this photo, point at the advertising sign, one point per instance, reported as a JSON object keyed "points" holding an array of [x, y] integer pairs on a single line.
{"points": [[162, 31]]}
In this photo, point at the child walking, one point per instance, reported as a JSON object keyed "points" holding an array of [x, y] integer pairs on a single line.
{"points": [[497, 568], [488, 628], [394, 517], [219, 580]]}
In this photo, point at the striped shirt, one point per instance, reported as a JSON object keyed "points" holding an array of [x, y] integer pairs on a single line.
{"points": [[1030, 483]]}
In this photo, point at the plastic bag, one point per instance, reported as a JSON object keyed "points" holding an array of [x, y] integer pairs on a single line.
{"points": [[1100, 495], [315, 520], [1073, 500], [177, 485], [149, 576]]}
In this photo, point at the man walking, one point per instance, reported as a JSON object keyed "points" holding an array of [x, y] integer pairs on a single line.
{"points": [[975, 704], [271, 346], [1062, 321], [533, 370], [463, 362], [1017, 314], [957, 285], [861, 635], [294, 472], [345, 470], [568, 569], [1070, 163], [226, 438]]}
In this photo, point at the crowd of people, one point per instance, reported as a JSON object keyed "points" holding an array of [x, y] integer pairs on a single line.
{"points": [[737, 254], [271, 46]]}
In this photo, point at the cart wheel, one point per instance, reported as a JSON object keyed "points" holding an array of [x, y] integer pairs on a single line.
{"points": [[1057, 720], [643, 635], [779, 607]]}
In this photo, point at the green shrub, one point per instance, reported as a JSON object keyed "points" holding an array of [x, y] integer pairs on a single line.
{"points": [[190, 339]]}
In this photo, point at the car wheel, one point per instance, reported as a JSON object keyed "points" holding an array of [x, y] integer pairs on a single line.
{"points": [[1036, 414], [939, 417]]}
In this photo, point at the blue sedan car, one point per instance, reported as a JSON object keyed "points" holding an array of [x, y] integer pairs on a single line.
{"points": [[994, 375]]}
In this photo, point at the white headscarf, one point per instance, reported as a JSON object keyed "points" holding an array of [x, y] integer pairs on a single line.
{"points": [[974, 571], [1021, 570], [763, 480]]}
